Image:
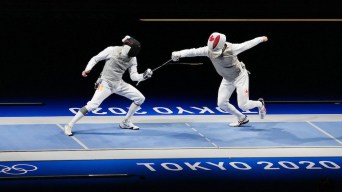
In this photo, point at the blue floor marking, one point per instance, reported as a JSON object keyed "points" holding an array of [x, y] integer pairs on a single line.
{"points": [[34, 137], [169, 135], [150, 135], [264, 134]]}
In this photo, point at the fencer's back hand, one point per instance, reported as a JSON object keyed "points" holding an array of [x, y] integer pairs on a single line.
{"points": [[265, 38], [175, 56], [85, 73], [148, 73]]}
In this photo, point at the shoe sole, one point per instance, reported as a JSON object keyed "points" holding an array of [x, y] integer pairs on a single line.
{"points": [[244, 122], [240, 124], [129, 128], [67, 134]]}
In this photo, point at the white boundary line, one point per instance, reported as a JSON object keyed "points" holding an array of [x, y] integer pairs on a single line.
{"points": [[73, 137], [326, 133], [171, 153]]}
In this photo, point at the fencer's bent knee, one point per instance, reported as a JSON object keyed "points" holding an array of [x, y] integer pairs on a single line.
{"points": [[243, 106], [222, 104], [139, 100], [92, 106]]}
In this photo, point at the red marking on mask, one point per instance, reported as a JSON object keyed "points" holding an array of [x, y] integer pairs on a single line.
{"points": [[211, 38], [216, 40]]}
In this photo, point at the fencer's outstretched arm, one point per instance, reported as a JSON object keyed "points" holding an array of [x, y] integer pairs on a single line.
{"points": [[203, 51], [238, 48], [194, 52], [94, 60]]}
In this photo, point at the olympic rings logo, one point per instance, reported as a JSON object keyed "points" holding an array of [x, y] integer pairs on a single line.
{"points": [[18, 169]]}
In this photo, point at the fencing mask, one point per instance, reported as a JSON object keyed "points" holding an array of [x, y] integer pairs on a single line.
{"points": [[216, 42], [131, 46]]}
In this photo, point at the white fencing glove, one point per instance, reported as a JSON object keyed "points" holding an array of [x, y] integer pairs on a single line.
{"points": [[148, 74], [175, 56]]}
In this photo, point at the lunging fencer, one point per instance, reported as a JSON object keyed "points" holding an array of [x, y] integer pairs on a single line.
{"points": [[118, 60], [223, 56]]}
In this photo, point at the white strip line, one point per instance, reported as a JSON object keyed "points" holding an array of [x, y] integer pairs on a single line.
{"points": [[74, 138], [302, 152], [206, 138], [326, 133], [170, 119]]}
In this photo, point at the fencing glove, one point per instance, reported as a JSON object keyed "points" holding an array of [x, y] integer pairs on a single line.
{"points": [[148, 74], [175, 56]]}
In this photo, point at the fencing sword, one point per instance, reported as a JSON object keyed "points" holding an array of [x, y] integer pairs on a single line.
{"points": [[157, 68], [167, 62]]}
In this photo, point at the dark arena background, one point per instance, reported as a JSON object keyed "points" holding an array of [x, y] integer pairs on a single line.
{"points": [[185, 143]]}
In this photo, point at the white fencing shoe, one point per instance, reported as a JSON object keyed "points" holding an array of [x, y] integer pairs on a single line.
{"points": [[67, 130], [242, 121], [128, 125], [262, 109]]}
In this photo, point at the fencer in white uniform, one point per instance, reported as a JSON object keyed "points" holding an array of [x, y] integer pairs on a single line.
{"points": [[223, 56], [118, 60]]}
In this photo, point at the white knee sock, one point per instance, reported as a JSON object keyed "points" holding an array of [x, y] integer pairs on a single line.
{"points": [[132, 109], [76, 118]]}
